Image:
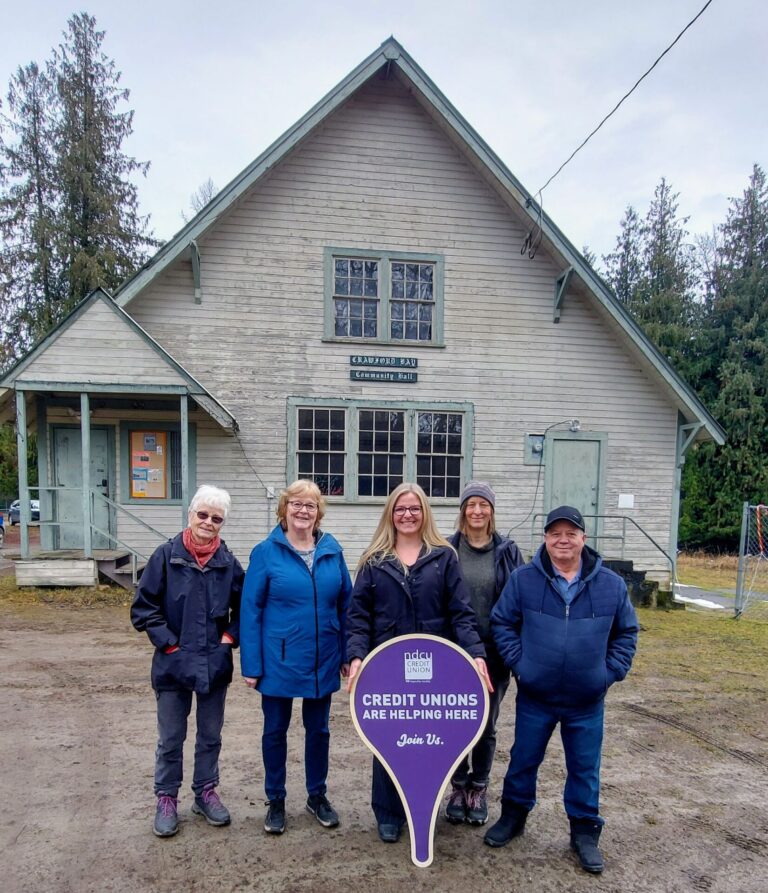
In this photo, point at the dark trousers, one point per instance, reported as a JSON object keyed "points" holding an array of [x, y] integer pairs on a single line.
{"points": [[315, 713], [386, 803], [483, 752], [173, 709], [581, 731]]}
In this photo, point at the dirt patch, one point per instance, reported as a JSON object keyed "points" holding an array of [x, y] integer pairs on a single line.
{"points": [[685, 777]]}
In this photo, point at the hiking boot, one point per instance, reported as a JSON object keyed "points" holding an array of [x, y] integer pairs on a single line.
{"points": [[477, 805], [322, 810], [456, 810], [510, 824], [209, 805], [274, 823], [585, 835], [166, 816]]}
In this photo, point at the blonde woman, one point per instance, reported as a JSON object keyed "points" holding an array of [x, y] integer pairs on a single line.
{"points": [[408, 581], [293, 643]]}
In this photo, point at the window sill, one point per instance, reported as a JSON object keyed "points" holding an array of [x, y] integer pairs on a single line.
{"points": [[377, 342]]}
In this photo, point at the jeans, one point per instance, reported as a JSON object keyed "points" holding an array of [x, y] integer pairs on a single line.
{"points": [[483, 752], [173, 708], [385, 800], [581, 730], [315, 713]]}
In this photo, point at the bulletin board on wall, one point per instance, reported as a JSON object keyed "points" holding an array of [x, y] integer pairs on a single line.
{"points": [[149, 455]]}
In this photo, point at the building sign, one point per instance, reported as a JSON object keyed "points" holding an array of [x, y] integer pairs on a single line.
{"points": [[383, 375], [398, 362], [419, 704]]}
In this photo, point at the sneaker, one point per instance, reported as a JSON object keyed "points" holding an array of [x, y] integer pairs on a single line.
{"points": [[477, 806], [166, 816], [322, 810], [274, 823], [209, 805], [456, 810]]}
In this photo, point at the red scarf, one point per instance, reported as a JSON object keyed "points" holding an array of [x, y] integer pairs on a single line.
{"points": [[201, 552]]}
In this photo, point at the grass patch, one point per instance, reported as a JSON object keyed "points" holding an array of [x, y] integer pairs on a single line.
{"points": [[692, 646], [713, 572], [72, 596]]}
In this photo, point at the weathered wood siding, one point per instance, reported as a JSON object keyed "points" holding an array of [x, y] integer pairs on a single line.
{"points": [[101, 347], [380, 175]]}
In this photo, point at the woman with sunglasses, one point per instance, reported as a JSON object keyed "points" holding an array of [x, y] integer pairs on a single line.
{"points": [[188, 603], [408, 581], [293, 643]]}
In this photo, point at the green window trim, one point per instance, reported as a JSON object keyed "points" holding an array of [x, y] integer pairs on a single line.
{"points": [[125, 460], [385, 260], [352, 408]]}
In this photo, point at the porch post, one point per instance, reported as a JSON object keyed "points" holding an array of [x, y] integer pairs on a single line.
{"points": [[184, 420], [21, 447], [85, 436], [44, 494]]}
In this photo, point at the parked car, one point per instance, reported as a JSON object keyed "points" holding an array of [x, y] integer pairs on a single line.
{"points": [[14, 513]]}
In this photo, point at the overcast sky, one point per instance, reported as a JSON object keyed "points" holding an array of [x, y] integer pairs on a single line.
{"points": [[214, 83]]}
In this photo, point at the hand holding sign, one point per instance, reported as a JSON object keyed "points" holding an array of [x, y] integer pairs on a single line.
{"points": [[419, 703]]}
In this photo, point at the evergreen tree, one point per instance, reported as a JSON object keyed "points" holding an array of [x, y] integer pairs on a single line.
{"points": [[733, 377], [623, 265], [103, 237], [29, 281]]}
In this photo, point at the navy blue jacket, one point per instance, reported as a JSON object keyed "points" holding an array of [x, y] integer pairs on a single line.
{"points": [[293, 621], [565, 655], [507, 557], [180, 603], [431, 598]]}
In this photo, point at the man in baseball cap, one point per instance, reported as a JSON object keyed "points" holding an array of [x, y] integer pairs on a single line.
{"points": [[566, 629]]}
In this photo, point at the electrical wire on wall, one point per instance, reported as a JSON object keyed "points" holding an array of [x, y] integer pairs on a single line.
{"points": [[269, 492], [533, 239], [574, 426]]}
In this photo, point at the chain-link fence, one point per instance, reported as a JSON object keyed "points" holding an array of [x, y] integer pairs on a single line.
{"points": [[752, 579]]}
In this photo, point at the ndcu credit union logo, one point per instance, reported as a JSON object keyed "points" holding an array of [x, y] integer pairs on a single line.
{"points": [[419, 704], [418, 666]]}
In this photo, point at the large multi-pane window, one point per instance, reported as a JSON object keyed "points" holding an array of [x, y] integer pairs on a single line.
{"points": [[364, 449], [394, 298]]}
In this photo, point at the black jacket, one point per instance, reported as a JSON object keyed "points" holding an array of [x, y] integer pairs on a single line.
{"points": [[506, 557], [180, 603], [432, 598]]}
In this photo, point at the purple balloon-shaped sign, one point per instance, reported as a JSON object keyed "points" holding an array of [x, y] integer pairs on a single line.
{"points": [[419, 704]]}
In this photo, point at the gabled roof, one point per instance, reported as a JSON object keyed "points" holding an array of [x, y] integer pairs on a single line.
{"points": [[159, 371], [391, 55]]}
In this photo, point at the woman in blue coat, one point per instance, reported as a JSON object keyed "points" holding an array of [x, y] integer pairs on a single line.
{"points": [[293, 640], [408, 581]]}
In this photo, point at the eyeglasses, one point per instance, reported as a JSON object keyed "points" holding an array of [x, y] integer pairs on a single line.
{"points": [[297, 506], [204, 516], [402, 510]]}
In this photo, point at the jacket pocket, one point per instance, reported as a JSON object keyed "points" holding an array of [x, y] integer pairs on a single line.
{"points": [[279, 641]]}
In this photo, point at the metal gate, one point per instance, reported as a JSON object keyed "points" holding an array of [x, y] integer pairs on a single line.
{"points": [[752, 578]]}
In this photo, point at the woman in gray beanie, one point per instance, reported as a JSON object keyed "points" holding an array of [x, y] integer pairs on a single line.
{"points": [[487, 559]]}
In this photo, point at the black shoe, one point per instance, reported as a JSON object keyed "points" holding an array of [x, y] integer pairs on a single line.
{"points": [[456, 810], [389, 832], [510, 824], [585, 835], [477, 805], [166, 817], [322, 810], [274, 823]]}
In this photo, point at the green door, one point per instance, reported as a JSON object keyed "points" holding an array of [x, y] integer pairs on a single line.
{"points": [[68, 472], [574, 476]]}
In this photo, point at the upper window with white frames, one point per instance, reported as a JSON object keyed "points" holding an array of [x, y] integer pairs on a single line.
{"points": [[384, 297]]}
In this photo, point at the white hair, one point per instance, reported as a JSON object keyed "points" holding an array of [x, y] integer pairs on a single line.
{"points": [[213, 497]]}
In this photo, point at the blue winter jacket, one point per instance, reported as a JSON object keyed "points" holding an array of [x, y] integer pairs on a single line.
{"points": [[565, 655], [180, 603], [432, 598], [293, 624]]}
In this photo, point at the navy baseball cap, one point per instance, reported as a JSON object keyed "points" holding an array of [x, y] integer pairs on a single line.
{"points": [[565, 513]]}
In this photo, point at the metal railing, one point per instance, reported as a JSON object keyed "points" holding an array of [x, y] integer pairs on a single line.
{"points": [[621, 537]]}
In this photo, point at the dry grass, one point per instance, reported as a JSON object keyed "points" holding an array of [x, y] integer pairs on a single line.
{"points": [[713, 572], [79, 596]]}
